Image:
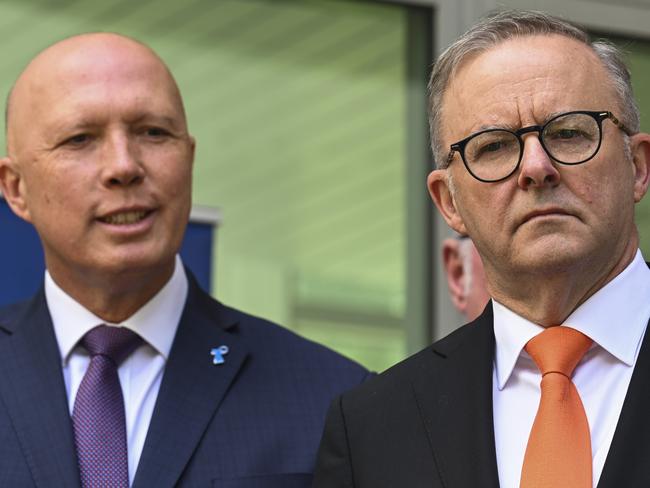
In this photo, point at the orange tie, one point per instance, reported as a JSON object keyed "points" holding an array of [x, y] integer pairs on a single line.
{"points": [[558, 453]]}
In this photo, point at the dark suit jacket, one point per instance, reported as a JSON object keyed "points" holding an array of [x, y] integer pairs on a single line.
{"points": [[253, 422], [427, 422]]}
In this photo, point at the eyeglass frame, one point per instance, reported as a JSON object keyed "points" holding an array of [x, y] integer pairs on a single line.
{"points": [[598, 116]]}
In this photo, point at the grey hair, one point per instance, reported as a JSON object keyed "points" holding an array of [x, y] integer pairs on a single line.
{"points": [[509, 24]]}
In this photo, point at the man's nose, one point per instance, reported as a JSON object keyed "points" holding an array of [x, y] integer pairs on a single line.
{"points": [[122, 164], [537, 168]]}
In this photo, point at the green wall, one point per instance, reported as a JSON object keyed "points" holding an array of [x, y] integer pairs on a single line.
{"points": [[299, 112]]}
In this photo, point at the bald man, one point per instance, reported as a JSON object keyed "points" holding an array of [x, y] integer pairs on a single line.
{"points": [[120, 371]]}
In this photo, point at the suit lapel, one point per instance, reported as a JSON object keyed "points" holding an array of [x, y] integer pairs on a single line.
{"points": [[192, 388], [627, 459], [454, 394], [33, 392]]}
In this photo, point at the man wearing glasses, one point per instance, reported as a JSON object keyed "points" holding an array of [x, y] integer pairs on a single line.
{"points": [[540, 162]]}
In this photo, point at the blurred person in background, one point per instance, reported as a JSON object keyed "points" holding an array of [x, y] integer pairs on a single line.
{"points": [[465, 276]]}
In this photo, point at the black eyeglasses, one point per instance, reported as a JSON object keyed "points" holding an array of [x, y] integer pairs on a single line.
{"points": [[570, 138]]}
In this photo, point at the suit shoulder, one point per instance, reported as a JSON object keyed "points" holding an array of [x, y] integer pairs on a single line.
{"points": [[391, 381], [398, 378], [412, 364], [11, 314], [272, 340]]}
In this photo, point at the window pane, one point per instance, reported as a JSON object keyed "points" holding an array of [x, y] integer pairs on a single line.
{"points": [[299, 110], [303, 147]]}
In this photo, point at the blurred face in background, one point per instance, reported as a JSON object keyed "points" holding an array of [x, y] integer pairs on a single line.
{"points": [[465, 276]]}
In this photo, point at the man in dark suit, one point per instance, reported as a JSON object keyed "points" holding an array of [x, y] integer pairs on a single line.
{"points": [[164, 385], [540, 161]]}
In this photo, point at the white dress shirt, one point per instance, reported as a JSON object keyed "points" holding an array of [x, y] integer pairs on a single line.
{"points": [[615, 318], [140, 374]]}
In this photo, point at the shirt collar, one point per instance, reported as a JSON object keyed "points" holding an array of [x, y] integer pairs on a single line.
{"points": [[156, 321], [601, 318]]}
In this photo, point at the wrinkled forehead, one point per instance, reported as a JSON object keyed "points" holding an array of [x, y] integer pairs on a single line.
{"points": [[523, 81], [62, 72]]}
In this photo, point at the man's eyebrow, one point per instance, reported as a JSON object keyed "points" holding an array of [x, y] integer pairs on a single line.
{"points": [[62, 126], [505, 126], [495, 126], [174, 122], [513, 128]]}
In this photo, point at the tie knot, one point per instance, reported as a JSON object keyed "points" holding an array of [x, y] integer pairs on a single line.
{"points": [[115, 343], [558, 349]]}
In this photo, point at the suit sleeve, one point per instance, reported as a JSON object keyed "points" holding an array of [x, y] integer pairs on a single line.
{"points": [[333, 463]]}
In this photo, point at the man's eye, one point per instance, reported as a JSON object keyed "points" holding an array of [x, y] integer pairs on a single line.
{"points": [[566, 134], [156, 132], [492, 146], [76, 140]]}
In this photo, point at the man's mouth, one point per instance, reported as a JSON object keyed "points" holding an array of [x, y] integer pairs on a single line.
{"points": [[546, 212], [550, 212], [125, 218]]}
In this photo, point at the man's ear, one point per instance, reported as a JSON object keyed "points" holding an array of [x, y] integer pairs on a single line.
{"points": [[438, 184], [455, 273], [640, 147], [13, 188]]}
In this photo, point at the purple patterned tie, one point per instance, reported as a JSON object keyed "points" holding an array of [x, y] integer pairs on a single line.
{"points": [[98, 414]]}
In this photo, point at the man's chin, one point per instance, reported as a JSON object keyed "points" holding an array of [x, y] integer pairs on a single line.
{"points": [[552, 253], [132, 269]]}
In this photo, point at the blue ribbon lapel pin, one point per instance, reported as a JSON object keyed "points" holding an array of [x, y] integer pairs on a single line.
{"points": [[218, 354]]}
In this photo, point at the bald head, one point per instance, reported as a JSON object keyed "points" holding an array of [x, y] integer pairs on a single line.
{"points": [[80, 54], [100, 162]]}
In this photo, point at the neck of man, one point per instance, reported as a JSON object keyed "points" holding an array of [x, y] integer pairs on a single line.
{"points": [[114, 297], [547, 297]]}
